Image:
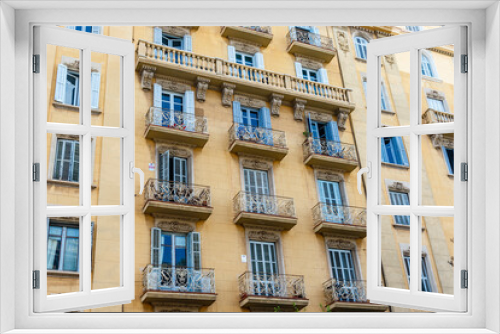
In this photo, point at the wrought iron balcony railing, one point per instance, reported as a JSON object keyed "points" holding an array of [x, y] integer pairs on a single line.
{"points": [[338, 214], [329, 148], [176, 120], [344, 291], [179, 279], [264, 204], [177, 192], [281, 286], [310, 38], [258, 135], [433, 116], [221, 69]]}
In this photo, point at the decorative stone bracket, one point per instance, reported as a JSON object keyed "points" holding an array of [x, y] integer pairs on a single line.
{"points": [[342, 116], [298, 109], [227, 93], [440, 140], [275, 100], [147, 75], [201, 88]]}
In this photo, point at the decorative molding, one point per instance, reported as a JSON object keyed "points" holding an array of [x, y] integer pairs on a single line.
{"points": [[244, 45], [176, 31], [342, 116], [439, 140], [320, 117], [309, 62], [227, 93], [275, 101], [256, 163], [172, 225], [340, 244], [343, 41], [264, 236], [330, 175], [174, 150], [402, 187], [201, 88], [298, 109], [171, 85], [248, 101], [435, 94], [73, 64], [147, 75]]}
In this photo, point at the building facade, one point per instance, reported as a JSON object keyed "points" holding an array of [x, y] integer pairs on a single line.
{"points": [[250, 138]]}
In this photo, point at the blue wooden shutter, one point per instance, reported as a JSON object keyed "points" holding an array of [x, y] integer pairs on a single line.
{"points": [[189, 120], [155, 247], [231, 54], [323, 76], [164, 168], [157, 104], [383, 151], [62, 76], [332, 132], [265, 122], [259, 60], [96, 84], [298, 70], [309, 121], [188, 43], [158, 36], [237, 115], [195, 250], [97, 30], [402, 151]]}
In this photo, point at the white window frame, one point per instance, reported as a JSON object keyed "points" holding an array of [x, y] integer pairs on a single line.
{"points": [[485, 85]]}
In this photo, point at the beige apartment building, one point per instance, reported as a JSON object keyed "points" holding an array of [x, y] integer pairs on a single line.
{"points": [[250, 138]]}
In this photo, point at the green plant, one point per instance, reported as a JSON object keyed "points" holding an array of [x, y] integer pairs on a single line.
{"points": [[325, 309], [306, 134], [295, 308]]}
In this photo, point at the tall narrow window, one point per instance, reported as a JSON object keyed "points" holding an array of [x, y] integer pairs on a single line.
{"points": [[384, 99], [399, 198], [257, 191], [333, 210], [344, 273], [72, 96], [67, 164], [393, 151], [426, 279], [427, 66], [264, 268], [449, 158], [360, 45], [62, 247]]}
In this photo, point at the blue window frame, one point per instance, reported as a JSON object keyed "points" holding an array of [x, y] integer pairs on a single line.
{"points": [[174, 247], [399, 198], [172, 41], [427, 66], [414, 28], [250, 117], [62, 247], [449, 158], [310, 75], [393, 151], [329, 194], [318, 129], [67, 163], [245, 59], [72, 96], [384, 98], [360, 45], [436, 104], [426, 283], [172, 101]]}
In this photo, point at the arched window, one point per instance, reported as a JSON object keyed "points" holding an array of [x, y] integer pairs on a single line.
{"points": [[360, 44], [413, 28], [428, 67]]}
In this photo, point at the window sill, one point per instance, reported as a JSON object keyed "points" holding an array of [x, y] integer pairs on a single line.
{"points": [[73, 108], [388, 164], [65, 273], [68, 183], [360, 59], [425, 77], [388, 112]]}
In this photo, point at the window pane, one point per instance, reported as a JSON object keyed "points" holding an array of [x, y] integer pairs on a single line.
{"points": [[395, 83], [106, 182], [393, 241], [395, 168]]}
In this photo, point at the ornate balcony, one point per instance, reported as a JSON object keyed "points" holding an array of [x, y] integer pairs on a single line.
{"points": [[433, 116], [177, 199], [329, 153], [257, 141], [265, 210], [341, 220], [157, 59], [178, 286], [258, 34], [310, 44], [176, 125], [260, 292], [348, 296]]}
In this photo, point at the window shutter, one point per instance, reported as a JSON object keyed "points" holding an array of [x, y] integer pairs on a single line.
{"points": [[157, 91], [196, 250], [316, 38], [62, 76], [158, 35], [265, 118], [189, 120], [155, 247], [401, 148], [96, 84], [231, 54], [164, 170], [383, 151], [336, 193], [237, 116], [71, 27], [298, 70], [259, 60], [332, 132], [188, 43], [97, 30], [323, 76]]}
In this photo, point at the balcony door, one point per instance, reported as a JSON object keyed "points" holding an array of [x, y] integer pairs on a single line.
{"points": [[343, 271], [326, 138], [257, 191], [333, 210], [265, 280]]}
